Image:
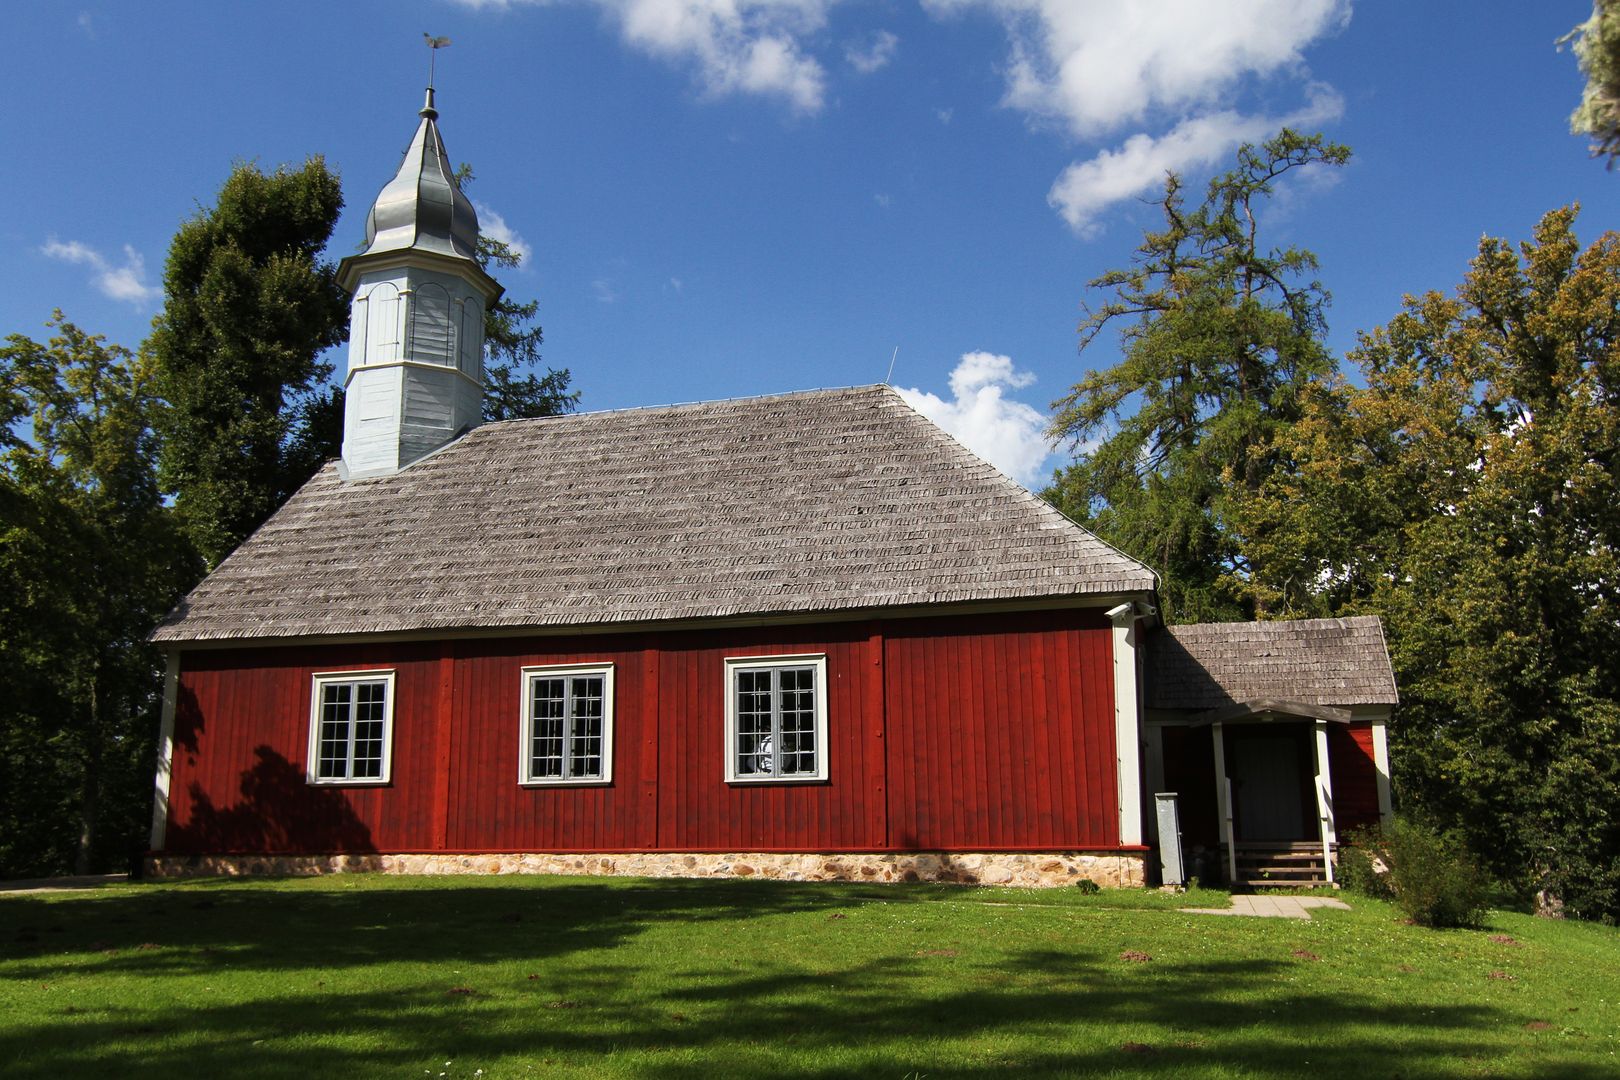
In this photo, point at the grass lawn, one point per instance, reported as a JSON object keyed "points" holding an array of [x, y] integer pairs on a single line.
{"points": [[558, 977]]}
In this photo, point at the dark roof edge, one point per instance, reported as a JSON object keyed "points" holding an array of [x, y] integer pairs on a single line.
{"points": [[719, 622]]}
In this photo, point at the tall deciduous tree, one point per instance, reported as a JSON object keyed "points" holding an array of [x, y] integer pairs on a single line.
{"points": [[250, 305], [1469, 493], [89, 561], [1218, 334]]}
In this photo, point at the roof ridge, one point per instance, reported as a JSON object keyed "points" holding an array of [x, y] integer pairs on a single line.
{"points": [[674, 405], [1337, 620]]}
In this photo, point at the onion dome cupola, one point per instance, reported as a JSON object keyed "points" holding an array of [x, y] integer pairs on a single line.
{"points": [[415, 377]]}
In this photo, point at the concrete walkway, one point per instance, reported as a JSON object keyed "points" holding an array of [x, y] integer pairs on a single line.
{"points": [[1272, 907]]}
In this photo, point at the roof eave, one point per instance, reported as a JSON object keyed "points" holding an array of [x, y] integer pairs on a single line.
{"points": [[1100, 601]]}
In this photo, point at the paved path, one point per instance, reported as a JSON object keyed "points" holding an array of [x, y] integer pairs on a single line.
{"points": [[1273, 907]]}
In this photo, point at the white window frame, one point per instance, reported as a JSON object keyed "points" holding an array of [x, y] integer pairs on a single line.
{"points": [[319, 681], [735, 665], [526, 778]]}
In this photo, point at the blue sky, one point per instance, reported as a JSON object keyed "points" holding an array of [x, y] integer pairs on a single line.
{"points": [[731, 197]]}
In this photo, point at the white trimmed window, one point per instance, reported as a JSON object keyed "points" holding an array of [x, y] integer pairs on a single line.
{"points": [[776, 719], [351, 727], [567, 725]]}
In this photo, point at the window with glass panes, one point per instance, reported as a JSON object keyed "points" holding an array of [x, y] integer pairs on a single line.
{"points": [[349, 731], [776, 719], [568, 725]]}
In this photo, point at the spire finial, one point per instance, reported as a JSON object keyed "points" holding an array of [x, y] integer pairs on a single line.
{"points": [[434, 44]]}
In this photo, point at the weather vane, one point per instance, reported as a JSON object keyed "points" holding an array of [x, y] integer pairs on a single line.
{"points": [[434, 44]]}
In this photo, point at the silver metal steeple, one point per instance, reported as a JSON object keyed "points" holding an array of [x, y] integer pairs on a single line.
{"points": [[421, 207]]}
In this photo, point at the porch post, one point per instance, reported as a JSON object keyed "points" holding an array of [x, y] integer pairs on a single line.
{"points": [[1223, 802], [1380, 739], [1324, 799]]}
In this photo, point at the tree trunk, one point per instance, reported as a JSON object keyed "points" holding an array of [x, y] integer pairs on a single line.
{"points": [[90, 796]]}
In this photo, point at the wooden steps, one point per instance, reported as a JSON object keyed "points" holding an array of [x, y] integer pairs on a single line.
{"points": [[1292, 868]]}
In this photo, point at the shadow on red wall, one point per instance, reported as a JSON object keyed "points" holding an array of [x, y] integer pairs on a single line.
{"points": [[279, 812]]}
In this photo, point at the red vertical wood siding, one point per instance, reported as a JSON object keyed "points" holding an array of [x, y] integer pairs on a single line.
{"points": [[950, 733], [1001, 733], [1354, 772]]}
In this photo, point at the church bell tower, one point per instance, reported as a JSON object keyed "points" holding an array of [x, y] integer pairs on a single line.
{"points": [[415, 377]]}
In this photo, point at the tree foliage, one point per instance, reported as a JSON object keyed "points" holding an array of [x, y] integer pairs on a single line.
{"points": [[1468, 492], [512, 389], [1597, 47], [249, 307], [1218, 335], [89, 561]]}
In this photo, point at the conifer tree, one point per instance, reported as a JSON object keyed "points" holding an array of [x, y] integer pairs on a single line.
{"points": [[249, 307], [1218, 333]]}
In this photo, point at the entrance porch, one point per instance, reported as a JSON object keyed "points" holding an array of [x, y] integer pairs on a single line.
{"points": [[1272, 737]]}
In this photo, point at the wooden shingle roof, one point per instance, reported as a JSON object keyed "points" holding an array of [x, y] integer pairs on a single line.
{"points": [[1312, 661], [812, 502]]}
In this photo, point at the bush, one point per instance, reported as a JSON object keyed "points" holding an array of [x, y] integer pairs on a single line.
{"points": [[1363, 865], [1435, 880]]}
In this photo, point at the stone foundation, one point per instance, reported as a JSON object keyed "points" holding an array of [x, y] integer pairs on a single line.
{"points": [[1030, 870]]}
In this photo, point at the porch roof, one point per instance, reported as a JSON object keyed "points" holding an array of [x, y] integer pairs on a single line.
{"points": [[1243, 668]]}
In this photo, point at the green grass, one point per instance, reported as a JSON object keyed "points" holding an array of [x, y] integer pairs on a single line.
{"points": [[563, 977]]}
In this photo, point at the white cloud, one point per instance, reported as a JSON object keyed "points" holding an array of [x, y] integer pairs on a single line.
{"points": [[737, 46], [1099, 64], [604, 291], [492, 225], [1172, 67], [126, 282], [1138, 165], [874, 55], [1008, 434], [945, 115], [883, 199]]}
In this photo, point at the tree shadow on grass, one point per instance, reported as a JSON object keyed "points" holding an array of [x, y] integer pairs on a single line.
{"points": [[522, 977], [256, 925]]}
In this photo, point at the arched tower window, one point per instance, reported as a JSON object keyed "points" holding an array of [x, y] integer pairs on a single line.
{"points": [[384, 320], [433, 338]]}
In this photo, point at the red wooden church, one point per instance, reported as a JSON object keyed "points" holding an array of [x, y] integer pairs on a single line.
{"points": [[805, 636]]}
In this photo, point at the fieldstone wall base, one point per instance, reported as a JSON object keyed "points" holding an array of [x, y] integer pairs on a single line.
{"points": [[1111, 870]]}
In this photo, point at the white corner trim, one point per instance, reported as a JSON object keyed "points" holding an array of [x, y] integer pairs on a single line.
{"points": [[1380, 737], [165, 751], [312, 763], [735, 664], [526, 777], [1127, 724]]}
